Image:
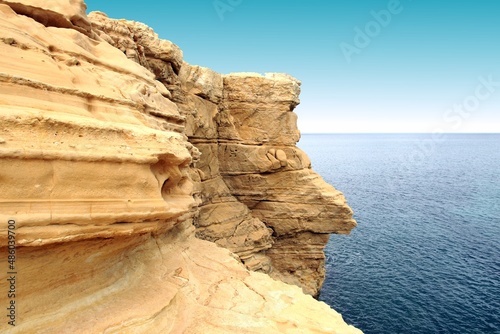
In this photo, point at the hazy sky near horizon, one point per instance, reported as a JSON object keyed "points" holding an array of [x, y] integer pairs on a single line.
{"points": [[365, 65]]}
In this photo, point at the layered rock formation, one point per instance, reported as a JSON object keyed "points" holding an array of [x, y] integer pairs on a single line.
{"points": [[245, 128], [264, 170], [115, 153]]}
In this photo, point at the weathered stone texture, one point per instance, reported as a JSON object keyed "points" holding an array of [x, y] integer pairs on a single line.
{"points": [[115, 153]]}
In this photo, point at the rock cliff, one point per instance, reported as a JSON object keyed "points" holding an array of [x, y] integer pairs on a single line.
{"points": [[117, 157]]}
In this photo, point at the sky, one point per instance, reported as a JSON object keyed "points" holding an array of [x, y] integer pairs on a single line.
{"points": [[366, 66]]}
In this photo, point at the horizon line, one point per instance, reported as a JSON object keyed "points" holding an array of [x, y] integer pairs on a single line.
{"points": [[399, 133]]}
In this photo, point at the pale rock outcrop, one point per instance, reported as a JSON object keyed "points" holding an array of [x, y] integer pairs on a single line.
{"points": [[56, 13], [142, 45], [115, 153], [245, 128], [264, 170], [198, 93], [162, 282], [202, 82], [82, 121], [259, 108]]}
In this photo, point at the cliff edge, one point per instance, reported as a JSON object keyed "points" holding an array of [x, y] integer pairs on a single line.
{"points": [[118, 158]]}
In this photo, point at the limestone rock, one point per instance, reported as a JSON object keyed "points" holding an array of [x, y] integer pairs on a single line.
{"points": [[260, 159], [261, 107], [200, 117], [202, 81], [131, 36], [96, 140], [264, 170], [115, 154], [197, 93], [142, 45], [244, 125], [162, 282], [59, 13], [291, 204], [230, 224]]}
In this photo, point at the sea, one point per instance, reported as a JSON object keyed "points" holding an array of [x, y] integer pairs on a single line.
{"points": [[425, 256]]}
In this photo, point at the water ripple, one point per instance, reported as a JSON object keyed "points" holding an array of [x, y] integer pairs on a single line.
{"points": [[425, 257]]}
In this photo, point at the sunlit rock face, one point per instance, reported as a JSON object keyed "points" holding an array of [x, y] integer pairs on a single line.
{"points": [[91, 146], [117, 157], [266, 171]]}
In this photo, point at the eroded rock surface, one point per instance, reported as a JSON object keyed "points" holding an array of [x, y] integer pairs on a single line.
{"points": [[115, 154]]}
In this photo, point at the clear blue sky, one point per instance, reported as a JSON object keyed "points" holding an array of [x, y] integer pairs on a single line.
{"points": [[421, 66]]}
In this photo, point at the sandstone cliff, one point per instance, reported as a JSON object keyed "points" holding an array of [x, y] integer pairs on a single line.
{"points": [[117, 157]]}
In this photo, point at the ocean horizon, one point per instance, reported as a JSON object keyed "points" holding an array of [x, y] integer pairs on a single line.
{"points": [[399, 133], [425, 257]]}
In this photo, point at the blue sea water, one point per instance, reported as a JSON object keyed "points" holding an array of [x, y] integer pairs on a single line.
{"points": [[425, 257]]}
